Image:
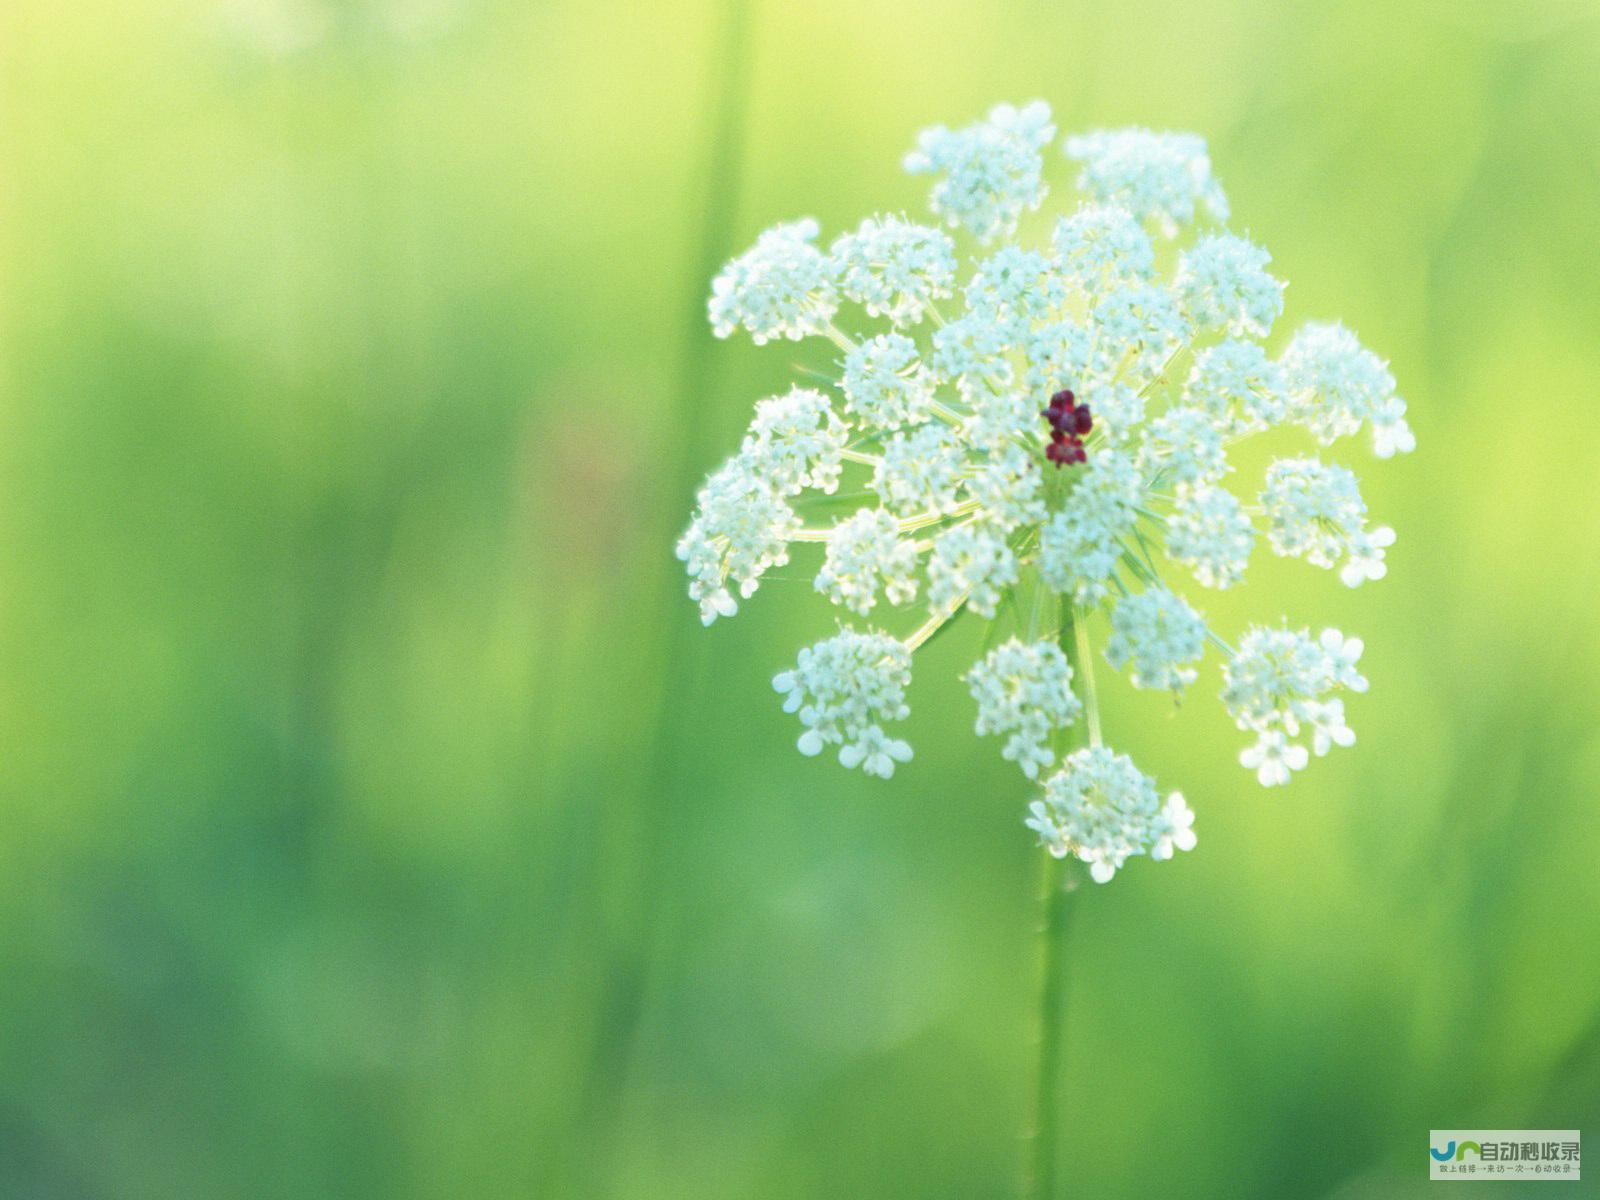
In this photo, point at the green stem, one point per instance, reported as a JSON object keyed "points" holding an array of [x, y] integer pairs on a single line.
{"points": [[1054, 898], [1057, 881], [1083, 664], [935, 623]]}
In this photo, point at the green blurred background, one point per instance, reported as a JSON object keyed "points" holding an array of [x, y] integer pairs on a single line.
{"points": [[379, 821]]}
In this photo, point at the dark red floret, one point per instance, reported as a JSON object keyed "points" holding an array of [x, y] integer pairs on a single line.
{"points": [[1065, 449], [1069, 422]]}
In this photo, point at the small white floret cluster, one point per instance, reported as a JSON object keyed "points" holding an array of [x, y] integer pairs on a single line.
{"points": [[1104, 810], [1031, 422]]}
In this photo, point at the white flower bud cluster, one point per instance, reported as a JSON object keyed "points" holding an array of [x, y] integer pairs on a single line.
{"points": [[1159, 177], [844, 689], [884, 383], [1278, 685], [992, 171], [1144, 320], [895, 269], [1224, 285], [974, 352], [1183, 445], [795, 442], [1103, 244], [783, 286], [1024, 692], [1103, 810], [1081, 545], [741, 527], [1013, 289], [1209, 532], [1238, 386], [1159, 634], [1314, 511], [970, 563], [1336, 384], [1038, 431], [865, 554], [921, 470]]}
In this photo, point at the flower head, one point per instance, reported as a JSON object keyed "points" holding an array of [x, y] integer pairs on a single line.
{"points": [[741, 527], [1024, 692], [844, 689], [1158, 634], [1103, 810], [895, 269], [1224, 285], [1162, 178], [1335, 384], [783, 286], [865, 554], [992, 171], [1040, 432], [795, 442], [1315, 512], [884, 383], [1279, 685]]}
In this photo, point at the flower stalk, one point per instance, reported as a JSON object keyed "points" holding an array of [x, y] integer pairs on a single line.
{"points": [[1055, 897]]}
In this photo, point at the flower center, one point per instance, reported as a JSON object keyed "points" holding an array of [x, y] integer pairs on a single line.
{"points": [[1069, 421]]}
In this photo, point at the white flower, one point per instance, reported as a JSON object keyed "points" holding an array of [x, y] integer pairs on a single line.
{"points": [[1000, 419], [740, 528], [795, 442], [1080, 545], [844, 689], [1272, 670], [1342, 655], [1141, 319], [1008, 442], [973, 351], [1278, 683], [970, 560], [1060, 355], [1103, 810], [1335, 384], [1158, 177], [1238, 385], [920, 471], [1366, 556], [1313, 508], [1210, 533], [781, 287], [1223, 283], [1273, 757], [884, 384], [895, 269], [1390, 433], [1118, 408], [992, 170], [1177, 829], [1315, 511], [1328, 728], [1102, 244], [864, 554], [1159, 633], [1008, 488], [1183, 445], [1015, 289], [1024, 692]]}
